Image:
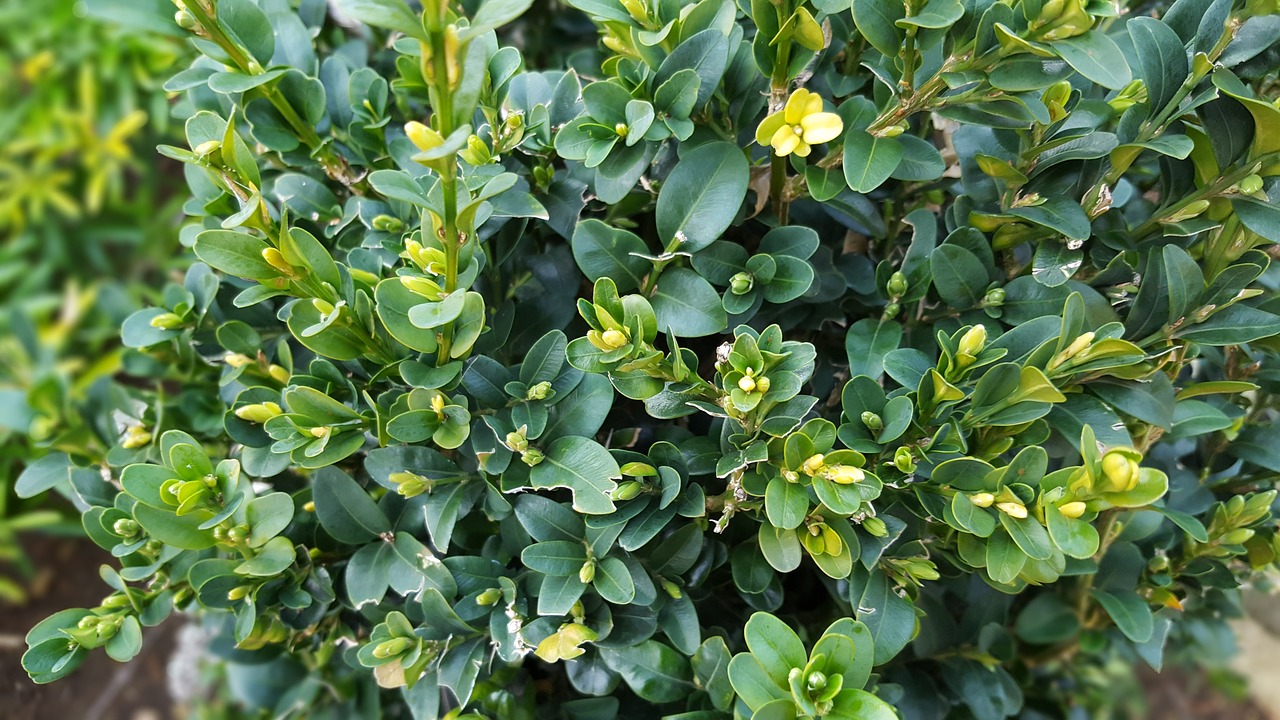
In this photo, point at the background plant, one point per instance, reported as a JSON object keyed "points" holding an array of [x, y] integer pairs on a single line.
{"points": [[88, 228], [939, 333]]}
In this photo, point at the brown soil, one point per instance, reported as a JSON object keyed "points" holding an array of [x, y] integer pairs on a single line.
{"points": [[102, 689]]}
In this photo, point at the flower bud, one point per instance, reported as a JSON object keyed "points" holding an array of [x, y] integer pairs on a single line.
{"points": [[982, 499], [392, 647], [763, 384], [741, 283], [1075, 348], [1013, 509], [994, 297], [477, 152], [423, 137], [279, 374], [813, 465], [620, 129], [410, 484], [258, 413], [438, 403], [816, 681], [166, 321], [897, 285], [672, 589], [239, 592], [1072, 510], [875, 526], [539, 391], [747, 384], [135, 437], [1121, 471], [125, 527], [872, 421], [845, 474], [1238, 536], [517, 441], [208, 147], [88, 621], [971, 344], [904, 460], [422, 286], [588, 571], [1190, 210], [614, 338], [387, 224], [627, 490], [1250, 185], [891, 311], [532, 456], [637, 10], [276, 260], [489, 597], [320, 431], [322, 306]]}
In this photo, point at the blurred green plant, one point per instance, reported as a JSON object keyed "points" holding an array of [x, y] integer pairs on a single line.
{"points": [[85, 211]]}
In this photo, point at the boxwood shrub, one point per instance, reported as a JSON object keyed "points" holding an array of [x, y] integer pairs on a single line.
{"points": [[644, 358]]}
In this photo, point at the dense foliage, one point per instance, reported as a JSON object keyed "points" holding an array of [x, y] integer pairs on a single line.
{"points": [[843, 359]]}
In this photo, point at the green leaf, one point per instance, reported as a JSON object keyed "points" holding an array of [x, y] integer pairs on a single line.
{"points": [[604, 251], [1074, 537], [1162, 59], [959, 276], [44, 474], [127, 642], [786, 503], [1029, 534], [272, 559], [701, 196], [613, 581], [867, 343], [235, 254], [181, 532], [1062, 215], [890, 618], [388, 14], [1004, 558], [652, 670], [1130, 613], [345, 510], [877, 21], [853, 704], [561, 558], [268, 516], [1097, 57], [585, 468], [687, 305], [774, 645], [869, 160]]}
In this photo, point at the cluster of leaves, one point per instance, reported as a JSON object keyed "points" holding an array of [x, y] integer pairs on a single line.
{"points": [[87, 221], [946, 327]]}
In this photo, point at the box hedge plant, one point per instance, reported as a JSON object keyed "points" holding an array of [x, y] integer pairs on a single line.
{"points": [[831, 359]]}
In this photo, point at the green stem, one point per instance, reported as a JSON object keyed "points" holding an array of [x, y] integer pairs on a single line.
{"points": [[334, 164], [442, 101]]}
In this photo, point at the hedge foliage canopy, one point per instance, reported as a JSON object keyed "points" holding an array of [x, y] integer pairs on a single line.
{"points": [[774, 359]]}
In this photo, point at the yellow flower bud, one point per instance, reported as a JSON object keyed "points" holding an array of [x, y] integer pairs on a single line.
{"points": [[258, 413], [1013, 509], [320, 431], [982, 499], [1072, 510], [166, 321], [813, 465], [747, 384], [135, 437], [423, 137], [279, 374], [845, 474], [1121, 471], [207, 147], [614, 338], [276, 260], [971, 344], [437, 404]]}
